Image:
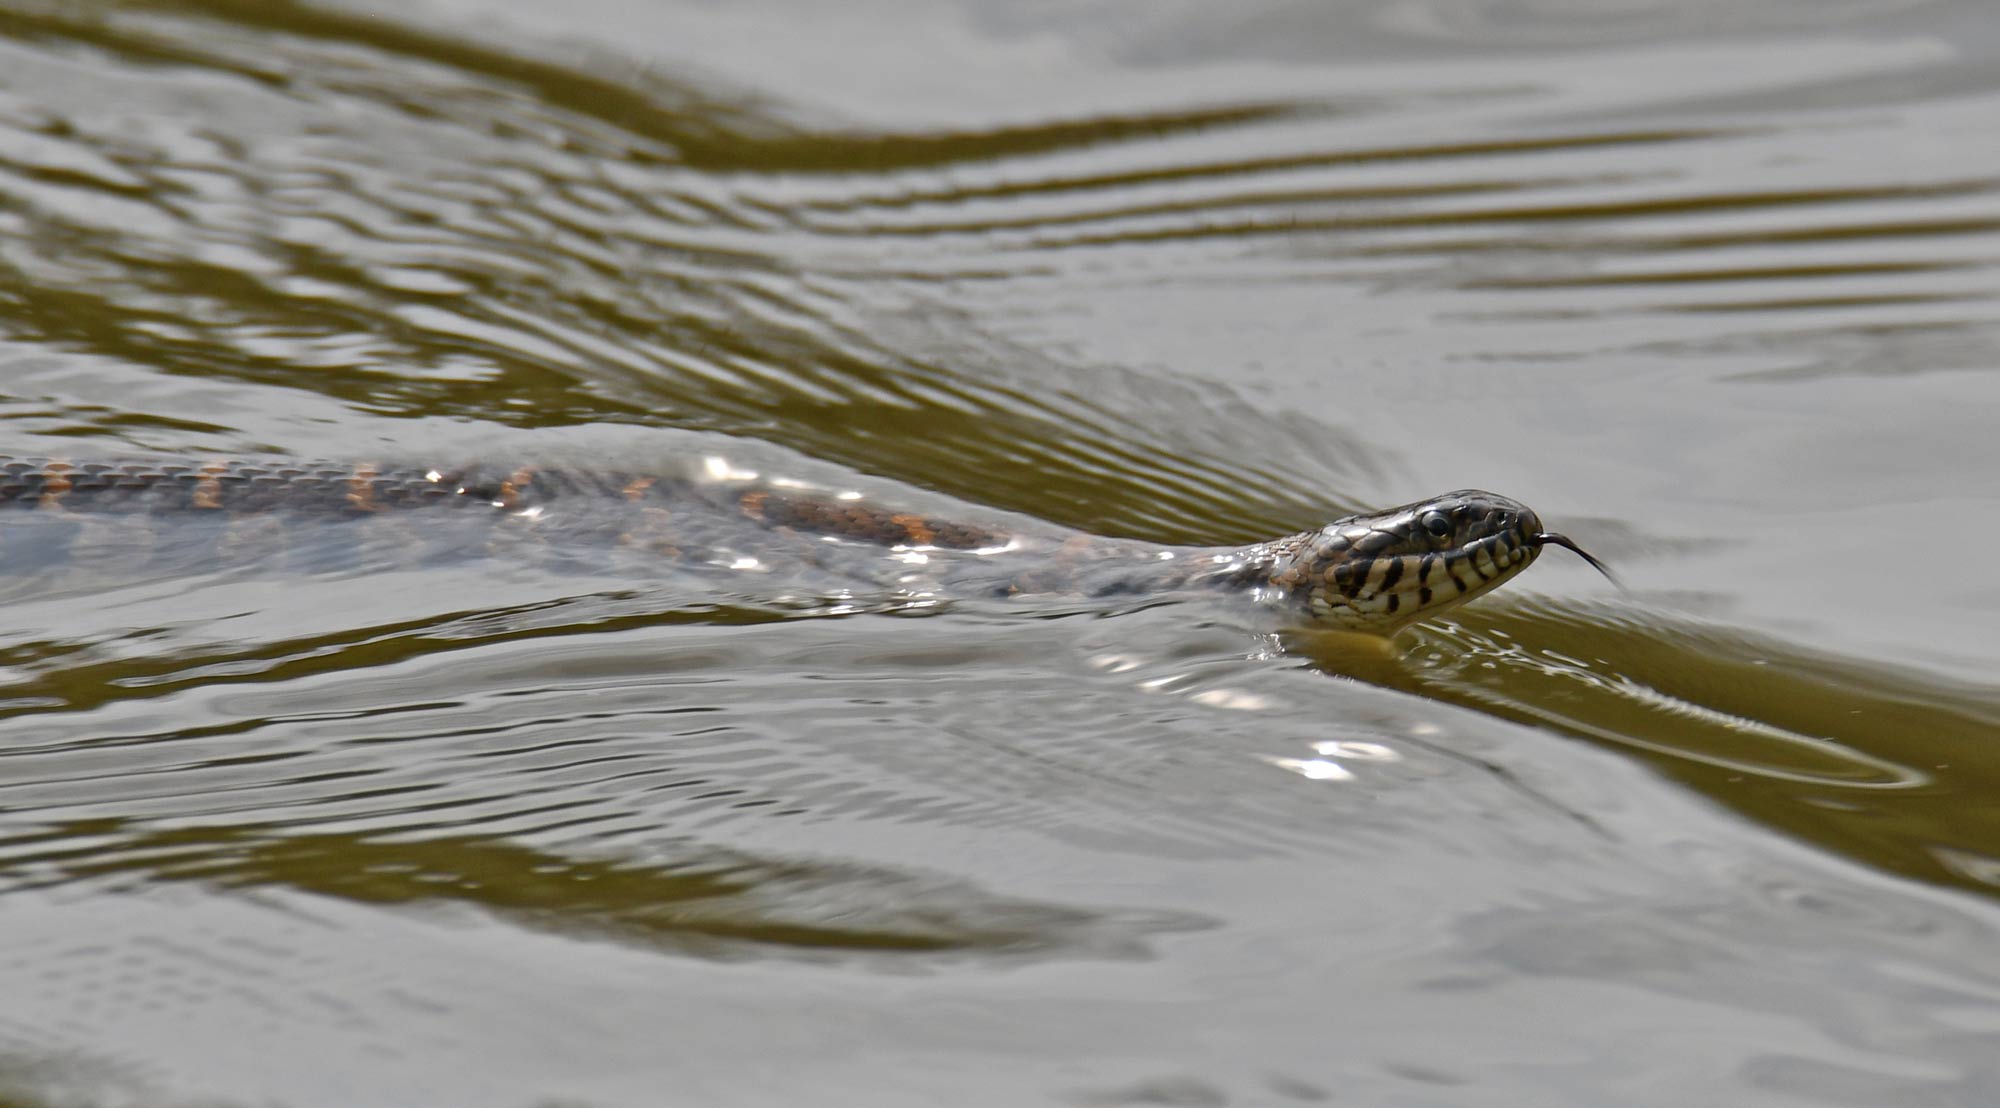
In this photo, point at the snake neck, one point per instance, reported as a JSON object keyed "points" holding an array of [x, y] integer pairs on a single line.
{"points": [[1111, 567], [1260, 567]]}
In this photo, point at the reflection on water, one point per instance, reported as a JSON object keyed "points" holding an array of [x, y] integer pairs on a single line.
{"points": [[1710, 286], [1872, 761], [714, 905]]}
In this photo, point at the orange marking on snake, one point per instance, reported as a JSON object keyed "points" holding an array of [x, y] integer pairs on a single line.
{"points": [[915, 527], [361, 488], [55, 482], [208, 490], [637, 489], [510, 489], [753, 504]]}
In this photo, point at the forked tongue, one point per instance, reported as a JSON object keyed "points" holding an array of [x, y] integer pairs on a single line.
{"points": [[1550, 538]]}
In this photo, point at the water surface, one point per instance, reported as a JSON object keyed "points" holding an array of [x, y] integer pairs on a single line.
{"points": [[1712, 286]]}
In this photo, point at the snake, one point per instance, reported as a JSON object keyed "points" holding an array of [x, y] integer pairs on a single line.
{"points": [[1374, 572]]}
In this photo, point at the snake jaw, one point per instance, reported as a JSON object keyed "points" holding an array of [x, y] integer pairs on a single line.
{"points": [[1381, 572]]}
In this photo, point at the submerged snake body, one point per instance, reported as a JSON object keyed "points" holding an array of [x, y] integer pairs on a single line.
{"points": [[1372, 572]]}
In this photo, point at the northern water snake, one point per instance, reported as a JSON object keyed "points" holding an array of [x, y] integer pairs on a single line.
{"points": [[1374, 572]]}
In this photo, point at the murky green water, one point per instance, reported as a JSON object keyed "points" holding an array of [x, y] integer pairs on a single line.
{"points": [[1712, 286]]}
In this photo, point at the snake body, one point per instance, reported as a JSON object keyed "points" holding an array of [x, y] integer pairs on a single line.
{"points": [[1374, 572]]}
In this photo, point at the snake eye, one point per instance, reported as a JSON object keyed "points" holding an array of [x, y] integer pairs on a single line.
{"points": [[1436, 523]]}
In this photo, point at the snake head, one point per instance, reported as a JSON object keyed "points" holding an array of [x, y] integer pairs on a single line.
{"points": [[1385, 570]]}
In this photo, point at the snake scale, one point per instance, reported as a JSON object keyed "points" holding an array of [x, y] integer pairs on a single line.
{"points": [[1374, 572]]}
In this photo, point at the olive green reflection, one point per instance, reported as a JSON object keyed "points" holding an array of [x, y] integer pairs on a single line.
{"points": [[1885, 765], [526, 300], [705, 902]]}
